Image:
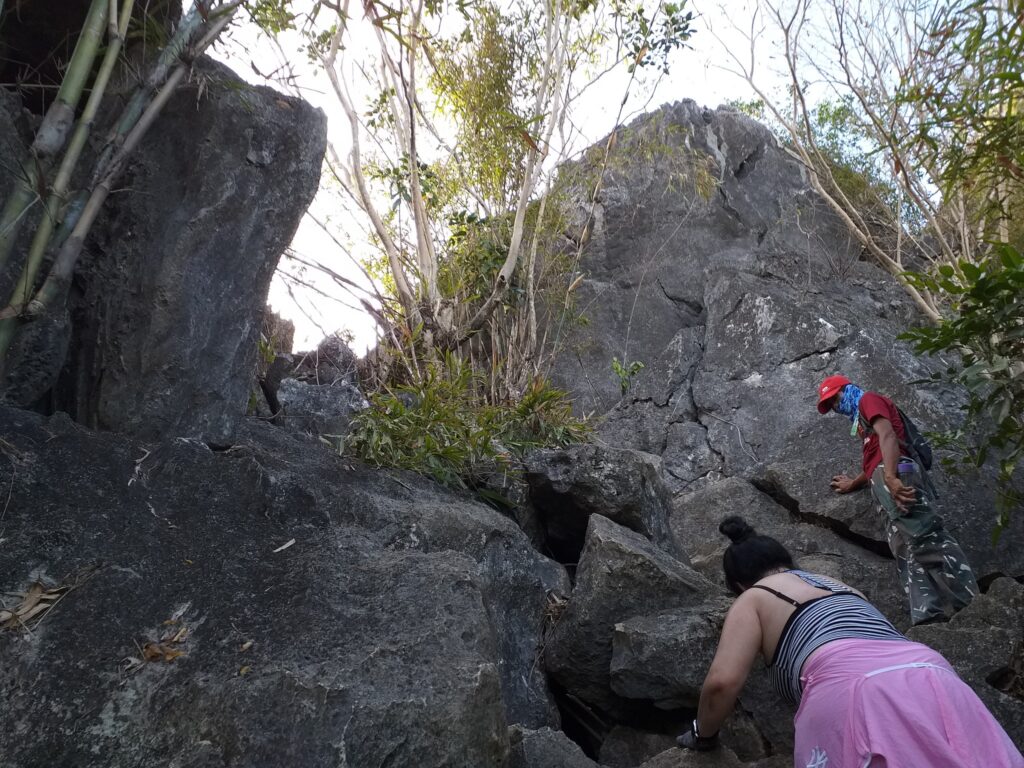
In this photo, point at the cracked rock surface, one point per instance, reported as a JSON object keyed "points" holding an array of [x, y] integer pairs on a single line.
{"points": [[268, 604], [261, 601], [738, 303]]}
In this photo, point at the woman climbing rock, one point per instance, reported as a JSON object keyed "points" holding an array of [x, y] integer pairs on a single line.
{"points": [[867, 695]]}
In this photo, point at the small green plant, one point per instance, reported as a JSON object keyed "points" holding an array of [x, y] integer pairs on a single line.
{"points": [[626, 373], [441, 427]]}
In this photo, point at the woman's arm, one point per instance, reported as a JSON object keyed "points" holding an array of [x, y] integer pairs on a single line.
{"points": [[738, 646]]}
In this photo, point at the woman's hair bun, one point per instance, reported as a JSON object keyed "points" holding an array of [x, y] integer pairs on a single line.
{"points": [[736, 528]]}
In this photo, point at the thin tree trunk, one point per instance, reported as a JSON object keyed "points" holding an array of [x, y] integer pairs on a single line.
{"points": [[554, 65], [405, 294]]}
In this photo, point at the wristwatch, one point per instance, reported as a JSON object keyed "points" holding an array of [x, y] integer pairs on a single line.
{"points": [[692, 739]]}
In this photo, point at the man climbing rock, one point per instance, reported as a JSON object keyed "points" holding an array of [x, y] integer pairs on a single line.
{"points": [[932, 568]]}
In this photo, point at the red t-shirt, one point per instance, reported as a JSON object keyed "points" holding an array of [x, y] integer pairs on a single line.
{"points": [[874, 406]]}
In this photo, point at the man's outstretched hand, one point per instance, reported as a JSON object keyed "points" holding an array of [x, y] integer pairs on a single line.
{"points": [[844, 484]]}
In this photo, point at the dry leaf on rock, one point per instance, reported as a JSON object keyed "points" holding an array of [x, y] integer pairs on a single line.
{"points": [[179, 636], [36, 600], [160, 652]]}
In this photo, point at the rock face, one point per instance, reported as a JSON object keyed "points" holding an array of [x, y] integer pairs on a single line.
{"points": [[319, 409], [665, 657], [621, 575], [545, 748], [210, 590], [172, 287], [267, 604], [569, 485], [712, 263]]}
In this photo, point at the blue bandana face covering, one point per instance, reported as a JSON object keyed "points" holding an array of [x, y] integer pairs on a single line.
{"points": [[849, 401]]}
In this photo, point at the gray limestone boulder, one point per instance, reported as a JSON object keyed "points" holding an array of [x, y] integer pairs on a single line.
{"points": [[332, 361], [626, 747], [319, 409], [521, 587], [545, 748], [664, 657], [171, 288], [267, 603], [621, 575], [569, 485]]}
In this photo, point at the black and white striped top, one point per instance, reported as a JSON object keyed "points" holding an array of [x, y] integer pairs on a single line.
{"points": [[839, 616]]}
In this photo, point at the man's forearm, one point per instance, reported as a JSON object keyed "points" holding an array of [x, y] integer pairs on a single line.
{"points": [[861, 480], [890, 454]]}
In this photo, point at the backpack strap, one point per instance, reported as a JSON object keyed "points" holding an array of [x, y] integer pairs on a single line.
{"points": [[860, 421], [865, 425]]}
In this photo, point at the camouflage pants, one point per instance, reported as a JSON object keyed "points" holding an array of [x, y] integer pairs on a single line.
{"points": [[932, 568]]}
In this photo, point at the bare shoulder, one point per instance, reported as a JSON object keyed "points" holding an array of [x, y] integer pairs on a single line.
{"points": [[746, 604], [744, 616]]}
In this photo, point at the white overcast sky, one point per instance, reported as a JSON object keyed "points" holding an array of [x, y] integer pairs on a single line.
{"points": [[696, 72]]}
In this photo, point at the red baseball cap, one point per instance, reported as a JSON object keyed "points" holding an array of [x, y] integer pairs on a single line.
{"points": [[828, 389]]}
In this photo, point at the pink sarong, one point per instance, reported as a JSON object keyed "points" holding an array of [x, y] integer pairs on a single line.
{"points": [[891, 704]]}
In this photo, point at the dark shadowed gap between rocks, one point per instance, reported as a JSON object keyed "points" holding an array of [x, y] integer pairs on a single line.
{"points": [[1010, 679], [589, 726], [772, 488], [564, 531], [984, 582]]}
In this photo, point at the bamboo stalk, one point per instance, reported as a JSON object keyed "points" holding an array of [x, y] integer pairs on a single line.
{"points": [[112, 21], [54, 129], [23, 290], [111, 164]]}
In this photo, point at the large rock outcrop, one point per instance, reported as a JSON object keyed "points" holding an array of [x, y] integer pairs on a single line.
{"points": [[707, 258], [568, 485], [166, 309], [712, 262], [266, 604], [621, 575]]}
